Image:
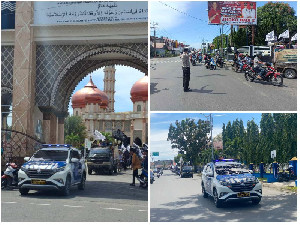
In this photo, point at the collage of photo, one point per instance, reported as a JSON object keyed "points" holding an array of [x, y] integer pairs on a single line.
{"points": [[149, 111]]}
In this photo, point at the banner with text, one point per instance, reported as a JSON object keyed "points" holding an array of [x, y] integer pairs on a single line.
{"points": [[64, 12], [232, 12]]}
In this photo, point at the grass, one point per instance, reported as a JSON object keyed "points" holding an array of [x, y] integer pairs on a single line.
{"points": [[262, 179], [292, 189]]}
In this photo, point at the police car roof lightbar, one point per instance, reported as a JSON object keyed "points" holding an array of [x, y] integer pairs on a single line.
{"points": [[224, 160], [56, 145]]}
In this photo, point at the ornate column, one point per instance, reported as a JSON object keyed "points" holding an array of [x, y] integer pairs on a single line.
{"points": [[53, 129], [46, 127], [61, 130], [109, 86], [24, 69]]}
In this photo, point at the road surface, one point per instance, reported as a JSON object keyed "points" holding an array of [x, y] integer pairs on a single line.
{"points": [[175, 199], [105, 198], [215, 90]]}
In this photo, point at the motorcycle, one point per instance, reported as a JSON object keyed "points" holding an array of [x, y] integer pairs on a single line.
{"points": [[10, 176], [271, 75], [199, 58], [213, 65], [207, 63], [194, 58], [144, 178], [220, 62], [151, 177]]}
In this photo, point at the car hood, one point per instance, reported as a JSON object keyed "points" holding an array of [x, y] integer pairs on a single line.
{"points": [[44, 165], [236, 178]]}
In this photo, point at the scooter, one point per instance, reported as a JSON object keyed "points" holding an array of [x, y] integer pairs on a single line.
{"points": [[144, 179], [194, 58], [10, 176], [151, 177], [207, 63], [212, 64], [220, 62]]}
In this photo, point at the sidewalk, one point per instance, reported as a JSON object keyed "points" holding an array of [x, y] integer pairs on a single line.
{"points": [[287, 187]]}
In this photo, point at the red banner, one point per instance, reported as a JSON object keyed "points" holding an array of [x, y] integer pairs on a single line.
{"points": [[232, 13]]}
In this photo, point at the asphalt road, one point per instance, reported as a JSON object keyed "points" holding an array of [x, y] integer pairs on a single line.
{"points": [[105, 199], [175, 199], [215, 90]]}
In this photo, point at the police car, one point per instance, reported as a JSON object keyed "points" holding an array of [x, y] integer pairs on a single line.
{"points": [[53, 167], [226, 180]]}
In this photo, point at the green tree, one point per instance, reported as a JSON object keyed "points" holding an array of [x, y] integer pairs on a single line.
{"points": [[73, 139], [189, 136], [251, 139], [217, 41], [277, 16], [75, 129]]}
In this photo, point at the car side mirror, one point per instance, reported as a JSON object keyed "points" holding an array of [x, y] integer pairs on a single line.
{"points": [[74, 160], [26, 159]]}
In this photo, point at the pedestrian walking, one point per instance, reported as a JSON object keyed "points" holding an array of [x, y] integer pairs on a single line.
{"points": [[186, 70], [136, 164]]}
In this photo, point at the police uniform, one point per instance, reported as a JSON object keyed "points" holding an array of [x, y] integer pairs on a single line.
{"points": [[186, 71]]}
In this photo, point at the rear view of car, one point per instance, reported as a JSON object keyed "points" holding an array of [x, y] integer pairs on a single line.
{"points": [[187, 171]]}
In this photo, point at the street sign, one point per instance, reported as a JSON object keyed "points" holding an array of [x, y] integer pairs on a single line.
{"points": [[155, 153], [273, 154]]}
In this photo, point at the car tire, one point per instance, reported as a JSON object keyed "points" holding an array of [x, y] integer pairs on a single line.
{"points": [[256, 201], [217, 201], [67, 187], [81, 186], [23, 191], [290, 74], [192, 176], [90, 171], [205, 195]]}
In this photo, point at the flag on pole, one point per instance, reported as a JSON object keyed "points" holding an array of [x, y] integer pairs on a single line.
{"points": [[294, 38], [285, 34], [271, 37], [98, 135]]}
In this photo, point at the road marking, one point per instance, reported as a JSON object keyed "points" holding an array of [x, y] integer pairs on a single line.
{"points": [[9, 202], [43, 204], [73, 206], [114, 209], [143, 210]]}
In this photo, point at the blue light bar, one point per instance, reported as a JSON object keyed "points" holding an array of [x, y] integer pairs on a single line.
{"points": [[224, 160], [56, 145]]}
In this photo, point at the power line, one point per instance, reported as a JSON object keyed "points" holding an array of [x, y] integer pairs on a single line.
{"points": [[184, 13]]}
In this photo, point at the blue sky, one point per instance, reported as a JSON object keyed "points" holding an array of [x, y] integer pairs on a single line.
{"points": [[160, 122], [178, 26], [125, 78]]}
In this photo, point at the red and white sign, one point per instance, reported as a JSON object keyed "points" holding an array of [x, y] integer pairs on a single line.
{"points": [[232, 12]]}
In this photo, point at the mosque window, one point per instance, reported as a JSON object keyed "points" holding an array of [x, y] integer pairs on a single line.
{"points": [[139, 108], [76, 113]]}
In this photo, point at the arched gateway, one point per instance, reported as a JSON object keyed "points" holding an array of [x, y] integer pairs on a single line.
{"points": [[52, 46]]}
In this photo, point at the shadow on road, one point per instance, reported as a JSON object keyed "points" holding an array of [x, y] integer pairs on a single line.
{"points": [[209, 75], [153, 89], [97, 190], [202, 91], [271, 209]]}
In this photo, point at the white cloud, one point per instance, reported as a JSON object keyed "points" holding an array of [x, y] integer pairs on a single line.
{"points": [[166, 17]]}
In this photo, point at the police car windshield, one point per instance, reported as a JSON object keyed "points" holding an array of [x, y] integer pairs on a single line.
{"points": [[99, 152], [52, 155], [230, 169]]}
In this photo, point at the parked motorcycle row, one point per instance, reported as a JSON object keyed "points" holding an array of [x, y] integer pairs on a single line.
{"points": [[246, 66]]}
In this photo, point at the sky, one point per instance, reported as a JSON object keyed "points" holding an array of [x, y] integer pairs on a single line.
{"points": [[183, 28], [160, 122], [125, 78]]}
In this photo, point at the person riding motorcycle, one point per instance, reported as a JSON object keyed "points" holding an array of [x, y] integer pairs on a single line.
{"points": [[186, 70], [257, 63], [240, 61]]}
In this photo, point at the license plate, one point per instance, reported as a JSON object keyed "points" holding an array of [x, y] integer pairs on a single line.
{"points": [[39, 182], [243, 194]]}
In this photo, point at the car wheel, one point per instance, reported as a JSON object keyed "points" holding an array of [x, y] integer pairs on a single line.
{"points": [[67, 187], [23, 191], [290, 73], [256, 201], [205, 195], [217, 201], [81, 186]]}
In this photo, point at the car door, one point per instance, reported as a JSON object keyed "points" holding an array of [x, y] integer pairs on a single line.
{"points": [[209, 179], [76, 167]]}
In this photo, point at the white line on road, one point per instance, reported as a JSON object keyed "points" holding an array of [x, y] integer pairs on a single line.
{"points": [[73, 206], [114, 209], [143, 210], [43, 204], [9, 202]]}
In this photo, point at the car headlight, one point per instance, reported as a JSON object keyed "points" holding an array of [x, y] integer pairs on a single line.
{"points": [[59, 169], [224, 183], [23, 168]]}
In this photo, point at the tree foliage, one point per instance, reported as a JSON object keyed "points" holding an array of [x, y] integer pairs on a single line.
{"points": [[75, 130], [189, 136], [254, 144]]}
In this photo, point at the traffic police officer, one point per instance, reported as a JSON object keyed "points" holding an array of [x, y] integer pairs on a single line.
{"points": [[186, 70]]}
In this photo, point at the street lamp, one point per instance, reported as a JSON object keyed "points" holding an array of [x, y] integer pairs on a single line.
{"points": [[211, 128]]}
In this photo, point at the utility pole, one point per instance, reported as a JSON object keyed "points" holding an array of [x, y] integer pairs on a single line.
{"points": [[222, 41], [253, 34], [211, 138], [154, 26]]}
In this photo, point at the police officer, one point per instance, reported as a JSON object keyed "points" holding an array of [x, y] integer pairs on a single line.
{"points": [[186, 70]]}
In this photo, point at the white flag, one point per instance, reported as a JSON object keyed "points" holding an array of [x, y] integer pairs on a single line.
{"points": [[270, 36], [285, 34], [98, 136], [294, 38]]}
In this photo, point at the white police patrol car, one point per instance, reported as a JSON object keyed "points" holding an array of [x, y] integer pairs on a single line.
{"points": [[226, 180], [53, 167]]}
